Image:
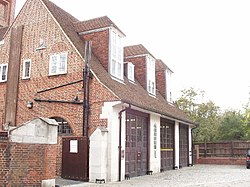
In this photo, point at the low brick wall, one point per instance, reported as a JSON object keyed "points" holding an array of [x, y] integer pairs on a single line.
{"points": [[222, 161], [31, 163], [4, 163]]}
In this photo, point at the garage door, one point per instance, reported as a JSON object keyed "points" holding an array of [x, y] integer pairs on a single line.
{"points": [[167, 145], [183, 145], [136, 160]]}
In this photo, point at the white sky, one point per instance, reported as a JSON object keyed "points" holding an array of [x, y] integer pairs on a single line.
{"points": [[205, 42]]}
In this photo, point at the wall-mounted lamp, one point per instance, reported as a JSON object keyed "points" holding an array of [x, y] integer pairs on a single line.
{"points": [[30, 105], [41, 45]]}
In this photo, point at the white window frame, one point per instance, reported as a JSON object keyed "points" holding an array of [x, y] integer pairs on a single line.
{"points": [[151, 86], [25, 68], [58, 64], [1, 72], [1, 42], [116, 54], [168, 75], [131, 71]]}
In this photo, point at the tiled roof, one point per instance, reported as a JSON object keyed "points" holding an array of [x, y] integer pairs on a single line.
{"points": [[2, 32], [161, 65], [134, 50], [133, 94], [96, 23]]}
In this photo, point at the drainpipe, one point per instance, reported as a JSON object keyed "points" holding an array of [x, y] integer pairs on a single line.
{"points": [[120, 139]]}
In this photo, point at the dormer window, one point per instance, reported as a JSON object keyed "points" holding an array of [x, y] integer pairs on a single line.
{"points": [[130, 71], [169, 85], [3, 72], [1, 42], [151, 75], [116, 55]]}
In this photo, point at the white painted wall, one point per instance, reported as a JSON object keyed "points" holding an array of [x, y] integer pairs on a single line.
{"points": [[155, 154], [36, 131], [98, 154], [190, 145], [177, 144], [110, 111]]}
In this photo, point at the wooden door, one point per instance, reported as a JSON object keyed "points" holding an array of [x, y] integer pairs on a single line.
{"points": [[75, 158], [167, 145], [136, 145], [183, 145]]}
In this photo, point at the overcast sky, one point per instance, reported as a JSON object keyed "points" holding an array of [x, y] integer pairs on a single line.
{"points": [[205, 42]]}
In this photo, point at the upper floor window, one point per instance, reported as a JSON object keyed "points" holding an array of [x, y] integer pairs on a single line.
{"points": [[3, 72], [58, 64], [116, 57], [26, 69], [169, 86], [151, 75], [130, 72]]}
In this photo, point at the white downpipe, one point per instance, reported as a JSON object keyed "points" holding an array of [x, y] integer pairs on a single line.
{"points": [[190, 146], [177, 145]]}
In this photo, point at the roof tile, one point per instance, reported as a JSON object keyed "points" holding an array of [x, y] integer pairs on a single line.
{"points": [[96, 23]]}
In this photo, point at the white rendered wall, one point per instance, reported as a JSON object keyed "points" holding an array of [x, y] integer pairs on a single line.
{"points": [[190, 145], [110, 111], [155, 154], [98, 154], [177, 144]]}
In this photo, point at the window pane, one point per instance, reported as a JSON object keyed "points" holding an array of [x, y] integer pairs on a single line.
{"points": [[27, 69], [62, 64], [119, 70], [113, 64], [4, 73], [53, 64], [114, 46]]}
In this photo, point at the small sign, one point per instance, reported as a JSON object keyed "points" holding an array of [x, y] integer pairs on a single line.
{"points": [[73, 146]]}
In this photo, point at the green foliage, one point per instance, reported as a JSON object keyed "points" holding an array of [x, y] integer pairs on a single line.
{"points": [[231, 127], [206, 114], [214, 125]]}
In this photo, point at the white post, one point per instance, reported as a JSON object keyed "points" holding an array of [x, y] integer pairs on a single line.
{"points": [[190, 146], [177, 145]]}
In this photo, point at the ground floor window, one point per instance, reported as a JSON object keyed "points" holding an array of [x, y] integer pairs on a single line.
{"points": [[63, 128]]}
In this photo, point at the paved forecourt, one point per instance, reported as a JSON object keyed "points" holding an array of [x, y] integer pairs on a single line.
{"points": [[198, 175]]}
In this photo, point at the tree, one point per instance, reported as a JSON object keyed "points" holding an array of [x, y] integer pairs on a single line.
{"points": [[246, 121], [231, 126], [206, 114]]}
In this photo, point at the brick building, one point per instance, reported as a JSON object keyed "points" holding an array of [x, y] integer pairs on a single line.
{"points": [[128, 124]]}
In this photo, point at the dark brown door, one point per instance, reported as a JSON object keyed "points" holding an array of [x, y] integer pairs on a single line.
{"points": [[75, 158], [136, 145], [167, 145], [183, 145]]}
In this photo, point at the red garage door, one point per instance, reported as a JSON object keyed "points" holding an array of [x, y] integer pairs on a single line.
{"points": [[136, 144], [167, 145], [183, 145]]}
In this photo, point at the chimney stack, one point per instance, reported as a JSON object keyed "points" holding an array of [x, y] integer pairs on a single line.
{"points": [[7, 12]]}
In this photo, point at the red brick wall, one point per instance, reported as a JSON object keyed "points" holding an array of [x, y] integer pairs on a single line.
{"points": [[222, 161], [161, 82], [100, 46], [4, 163], [32, 163], [39, 25], [140, 69]]}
